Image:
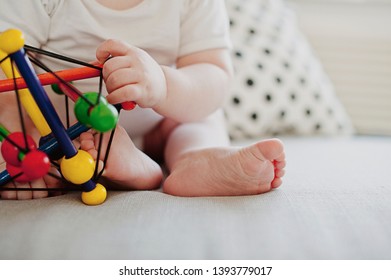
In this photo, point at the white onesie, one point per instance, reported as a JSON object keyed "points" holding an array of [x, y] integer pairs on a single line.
{"points": [[166, 29]]}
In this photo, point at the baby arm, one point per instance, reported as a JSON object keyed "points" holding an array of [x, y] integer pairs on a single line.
{"points": [[190, 92]]}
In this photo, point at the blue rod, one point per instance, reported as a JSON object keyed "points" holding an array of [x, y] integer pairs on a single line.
{"points": [[44, 103], [46, 108], [49, 146]]}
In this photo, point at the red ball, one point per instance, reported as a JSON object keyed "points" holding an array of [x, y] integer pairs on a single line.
{"points": [[35, 165], [17, 172], [10, 152]]}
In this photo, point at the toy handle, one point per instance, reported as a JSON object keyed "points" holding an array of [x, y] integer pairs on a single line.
{"points": [[128, 105], [74, 94]]}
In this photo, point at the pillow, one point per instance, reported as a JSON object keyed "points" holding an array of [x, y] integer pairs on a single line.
{"points": [[279, 86]]}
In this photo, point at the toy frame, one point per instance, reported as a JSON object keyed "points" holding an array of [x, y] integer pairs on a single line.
{"points": [[21, 155]]}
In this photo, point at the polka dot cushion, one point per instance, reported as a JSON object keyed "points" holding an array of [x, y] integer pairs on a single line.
{"points": [[279, 86]]}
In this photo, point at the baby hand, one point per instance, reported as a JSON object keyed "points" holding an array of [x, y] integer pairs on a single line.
{"points": [[131, 74]]}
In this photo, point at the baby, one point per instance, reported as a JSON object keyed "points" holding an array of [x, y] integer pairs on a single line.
{"points": [[172, 59]]}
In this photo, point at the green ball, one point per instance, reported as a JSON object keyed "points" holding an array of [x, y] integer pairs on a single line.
{"points": [[56, 89], [82, 107], [103, 117]]}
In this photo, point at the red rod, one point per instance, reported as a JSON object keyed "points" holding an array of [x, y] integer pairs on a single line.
{"points": [[67, 75]]}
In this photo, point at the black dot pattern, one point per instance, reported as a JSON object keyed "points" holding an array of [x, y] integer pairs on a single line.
{"points": [[280, 86]]}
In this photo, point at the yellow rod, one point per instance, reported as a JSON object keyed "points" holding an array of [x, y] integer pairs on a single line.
{"points": [[26, 98]]}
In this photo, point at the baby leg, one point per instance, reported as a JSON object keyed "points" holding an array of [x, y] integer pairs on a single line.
{"points": [[202, 163], [127, 167]]}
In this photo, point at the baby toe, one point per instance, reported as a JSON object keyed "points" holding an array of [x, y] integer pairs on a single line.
{"points": [[276, 183]]}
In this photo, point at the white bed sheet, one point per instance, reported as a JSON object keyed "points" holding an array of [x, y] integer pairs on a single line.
{"points": [[335, 203]]}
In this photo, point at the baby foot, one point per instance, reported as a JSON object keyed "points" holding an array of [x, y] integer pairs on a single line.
{"points": [[126, 167], [254, 169], [14, 194], [47, 182]]}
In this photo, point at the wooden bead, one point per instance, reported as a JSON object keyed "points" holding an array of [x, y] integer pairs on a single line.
{"points": [[10, 152], [96, 196], [79, 168]]}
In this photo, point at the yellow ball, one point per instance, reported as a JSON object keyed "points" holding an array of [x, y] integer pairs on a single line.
{"points": [[11, 40], [96, 196], [79, 168]]}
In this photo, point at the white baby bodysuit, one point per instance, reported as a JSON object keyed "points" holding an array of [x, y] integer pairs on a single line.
{"points": [[165, 29]]}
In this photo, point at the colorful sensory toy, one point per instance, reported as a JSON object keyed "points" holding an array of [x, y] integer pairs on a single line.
{"points": [[25, 161]]}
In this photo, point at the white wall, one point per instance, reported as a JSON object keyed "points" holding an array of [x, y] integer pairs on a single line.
{"points": [[353, 40]]}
